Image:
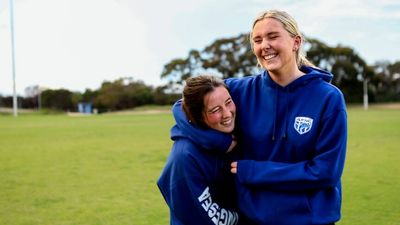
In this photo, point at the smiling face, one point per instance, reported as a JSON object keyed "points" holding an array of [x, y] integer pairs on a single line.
{"points": [[219, 110], [274, 47]]}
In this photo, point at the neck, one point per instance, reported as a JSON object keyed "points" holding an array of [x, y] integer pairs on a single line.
{"points": [[284, 77]]}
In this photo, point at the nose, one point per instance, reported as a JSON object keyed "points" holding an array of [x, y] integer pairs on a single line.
{"points": [[265, 44], [226, 112]]}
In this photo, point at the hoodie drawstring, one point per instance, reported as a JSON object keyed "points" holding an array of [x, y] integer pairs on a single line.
{"points": [[286, 114]]}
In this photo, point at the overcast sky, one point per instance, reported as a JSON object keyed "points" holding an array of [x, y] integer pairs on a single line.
{"points": [[78, 44]]}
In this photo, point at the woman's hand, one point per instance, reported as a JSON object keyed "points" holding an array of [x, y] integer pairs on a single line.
{"points": [[234, 167]]}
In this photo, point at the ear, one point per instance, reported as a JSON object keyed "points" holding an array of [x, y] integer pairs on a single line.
{"points": [[297, 43]]}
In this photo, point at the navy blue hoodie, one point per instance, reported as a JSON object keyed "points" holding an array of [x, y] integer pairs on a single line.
{"points": [[293, 144], [196, 184]]}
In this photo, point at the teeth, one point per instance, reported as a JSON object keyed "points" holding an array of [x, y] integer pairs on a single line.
{"points": [[270, 56], [227, 122]]}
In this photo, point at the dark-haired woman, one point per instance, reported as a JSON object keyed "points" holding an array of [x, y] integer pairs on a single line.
{"points": [[196, 183]]}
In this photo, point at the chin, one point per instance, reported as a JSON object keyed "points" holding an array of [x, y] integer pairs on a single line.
{"points": [[271, 66], [224, 130], [229, 129]]}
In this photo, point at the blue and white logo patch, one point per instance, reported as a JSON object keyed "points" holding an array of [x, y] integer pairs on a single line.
{"points": [[302, 124]]}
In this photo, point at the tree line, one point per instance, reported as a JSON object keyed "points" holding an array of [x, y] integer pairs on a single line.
{"points": [[123, 93], [233, 57], [225, 57]]}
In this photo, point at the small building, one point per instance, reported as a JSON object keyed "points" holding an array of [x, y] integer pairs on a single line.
{"points": [[85, 107]]}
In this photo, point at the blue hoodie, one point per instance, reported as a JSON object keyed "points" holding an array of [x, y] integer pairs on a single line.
{"points": [[196, 184], [292, 141]]}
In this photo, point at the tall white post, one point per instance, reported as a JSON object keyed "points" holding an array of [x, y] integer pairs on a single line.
{"points": [[365, 82], [40, 99], [15, 100]]}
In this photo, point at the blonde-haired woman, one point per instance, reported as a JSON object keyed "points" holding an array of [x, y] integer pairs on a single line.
{"points": [[291, 129]]}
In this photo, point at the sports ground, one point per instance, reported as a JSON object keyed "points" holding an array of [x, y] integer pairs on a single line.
{"points": [[102, 169]]}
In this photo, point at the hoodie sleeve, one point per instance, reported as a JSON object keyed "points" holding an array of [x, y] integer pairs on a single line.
{"points": [[323, 170], [207, 138], [188, 195]]}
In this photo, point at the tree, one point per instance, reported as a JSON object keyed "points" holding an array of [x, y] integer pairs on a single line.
{"points": [[226, 57], [109, 96], [162, 97], [60, 99], [123, 93], [89, 95], [395, 76], [386, 82], [233, 57], [33, 97], [349, 69]]}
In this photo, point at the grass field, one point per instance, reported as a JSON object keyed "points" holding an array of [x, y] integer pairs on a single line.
{"points": [[75, 170]]}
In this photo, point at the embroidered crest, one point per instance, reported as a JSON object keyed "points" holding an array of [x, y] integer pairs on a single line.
{"points": [[302, 124]]}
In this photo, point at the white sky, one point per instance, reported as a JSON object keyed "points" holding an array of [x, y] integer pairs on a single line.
{"points": [[77, 44]]}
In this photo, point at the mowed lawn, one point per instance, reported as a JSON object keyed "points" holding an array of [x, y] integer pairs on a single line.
{"points": [[94, 170], [371, 179]]}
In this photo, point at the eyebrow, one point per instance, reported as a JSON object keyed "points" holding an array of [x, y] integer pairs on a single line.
{"points": [[268, 34], [229, 98], [210, 110], [273, 33]]}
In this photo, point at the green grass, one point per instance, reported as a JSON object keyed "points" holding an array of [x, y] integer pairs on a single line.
{"points": [[75, 170], [82, 170], [371, 179]]}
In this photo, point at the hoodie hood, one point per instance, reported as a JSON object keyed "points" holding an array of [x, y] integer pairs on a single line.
{"points": [[199, 136], [311, 74], [177, 133]]}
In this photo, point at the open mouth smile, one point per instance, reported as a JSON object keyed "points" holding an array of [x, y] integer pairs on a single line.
{"points": [[270, 56], [227, 122]]}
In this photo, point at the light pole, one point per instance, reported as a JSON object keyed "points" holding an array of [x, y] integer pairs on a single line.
{"points": [[365, 85], [15, 101]]}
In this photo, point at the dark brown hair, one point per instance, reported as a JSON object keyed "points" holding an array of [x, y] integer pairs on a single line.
{"points": [[196, 88]]}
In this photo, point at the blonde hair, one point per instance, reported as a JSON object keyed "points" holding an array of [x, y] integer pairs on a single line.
{"points": [[290, 26]]}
